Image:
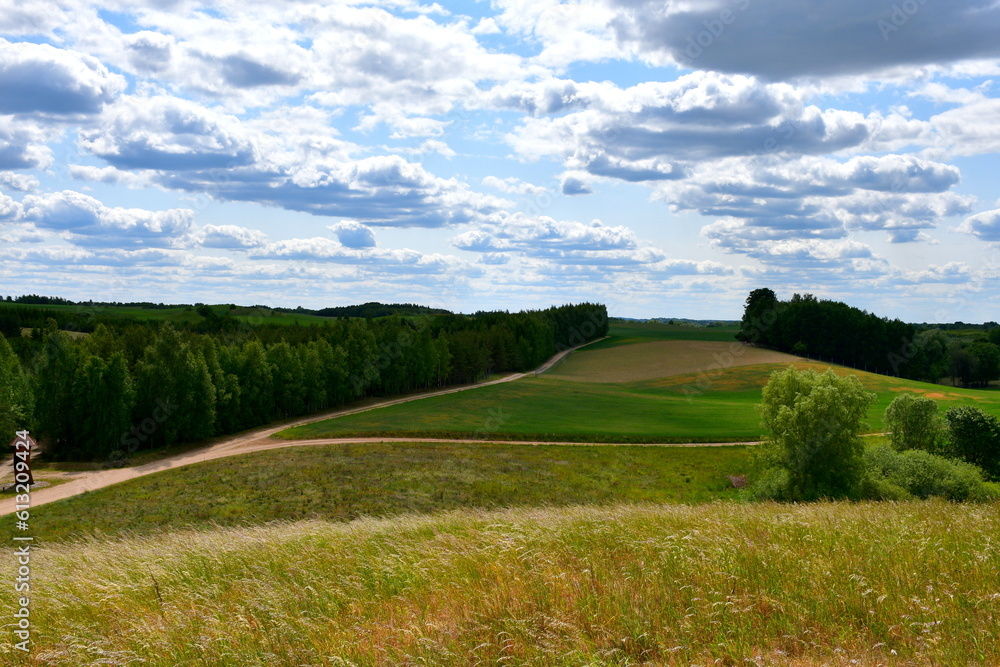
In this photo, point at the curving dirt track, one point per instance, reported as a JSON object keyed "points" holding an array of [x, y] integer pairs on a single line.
{"points": [[260, 439]]}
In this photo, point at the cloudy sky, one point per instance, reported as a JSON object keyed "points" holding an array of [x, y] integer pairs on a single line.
{"points": [[662, 157]]}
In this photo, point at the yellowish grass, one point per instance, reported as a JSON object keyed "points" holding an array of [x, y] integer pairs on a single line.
{"points": [[660, 359], [729, 584]]}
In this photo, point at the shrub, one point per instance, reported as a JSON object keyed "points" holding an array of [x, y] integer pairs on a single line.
{"points": [[813, 423], [923, 475], [770, 484], [915, 422], [975, 436]]}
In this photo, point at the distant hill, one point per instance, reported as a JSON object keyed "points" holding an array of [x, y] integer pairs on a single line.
{"points": [[681, 321], [375, 309]]}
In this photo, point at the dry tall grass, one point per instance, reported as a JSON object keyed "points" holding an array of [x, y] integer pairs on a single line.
{"points": [[875, 583]]}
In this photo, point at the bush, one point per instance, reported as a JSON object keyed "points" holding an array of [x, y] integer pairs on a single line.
{"points": [[879, 488], [975, 437], [813, 423], [915, 422], [922, 474], [770, 484]]}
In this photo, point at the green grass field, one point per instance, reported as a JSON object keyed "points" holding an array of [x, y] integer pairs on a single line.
{"points": [[555, 410], [697, 407], [345, 482], [718, 584]]}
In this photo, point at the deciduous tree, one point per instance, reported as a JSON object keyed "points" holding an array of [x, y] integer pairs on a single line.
{"points": [[914, 422], [813, 423]]}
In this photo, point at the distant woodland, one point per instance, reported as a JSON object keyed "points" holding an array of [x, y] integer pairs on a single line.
{"points": [[833, 331]]}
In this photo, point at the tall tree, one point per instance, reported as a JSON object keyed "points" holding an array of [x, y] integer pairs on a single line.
{"points": [[98, 433], [914, 422], [174, 392], [759, 315], [257, 383], [54, 369], [16, 397], [813, 423]]}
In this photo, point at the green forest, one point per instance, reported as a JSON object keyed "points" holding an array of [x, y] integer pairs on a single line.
{"points": [[161, 383], [839, 333]]}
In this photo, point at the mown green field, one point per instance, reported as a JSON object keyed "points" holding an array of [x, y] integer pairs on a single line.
{"points": [[718, 584], [556, 410], [715, 406], [345, 482]]}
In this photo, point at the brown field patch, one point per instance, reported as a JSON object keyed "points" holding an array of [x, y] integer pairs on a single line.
{"points": [[27, 331], [660, 359]]}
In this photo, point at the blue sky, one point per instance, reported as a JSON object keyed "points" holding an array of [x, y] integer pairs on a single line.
{"points": [[664, 158]]}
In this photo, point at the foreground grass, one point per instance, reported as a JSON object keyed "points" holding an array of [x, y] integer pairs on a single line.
{"points": [[344, 482], [713, 406], [836, 584]]}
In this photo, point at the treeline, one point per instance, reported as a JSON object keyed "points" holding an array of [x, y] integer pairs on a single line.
{"points": [[31, 312], [14, 318], [374, 309], [805, 325], [37, 300], [971, 363], [833, 331], [130, 386]]}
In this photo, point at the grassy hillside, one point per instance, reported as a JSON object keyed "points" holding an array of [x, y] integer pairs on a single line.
{"points": [[658, 359], [715, 406], [344, 482], [834, 584], [555, 410], [628, 333]]}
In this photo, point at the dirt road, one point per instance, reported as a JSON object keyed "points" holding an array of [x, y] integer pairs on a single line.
{"points": [[260, 439]]}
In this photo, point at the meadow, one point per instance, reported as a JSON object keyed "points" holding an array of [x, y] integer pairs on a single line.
{"points": [[713, 584], [710, 406], [439, 553], [349, 481]]}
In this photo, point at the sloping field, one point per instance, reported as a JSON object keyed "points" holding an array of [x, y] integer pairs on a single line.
{"points": [[661, 359], [710, 405], [718, 584], [630, 333]]}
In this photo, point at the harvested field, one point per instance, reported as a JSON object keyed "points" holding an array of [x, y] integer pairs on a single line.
{"points": [[660, 359]]}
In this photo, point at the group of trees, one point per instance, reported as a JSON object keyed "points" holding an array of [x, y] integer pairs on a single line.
{"points": [[806, 325], [965, 432], [834, 331], [971, 362], [814, 448], [136, 385]]}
